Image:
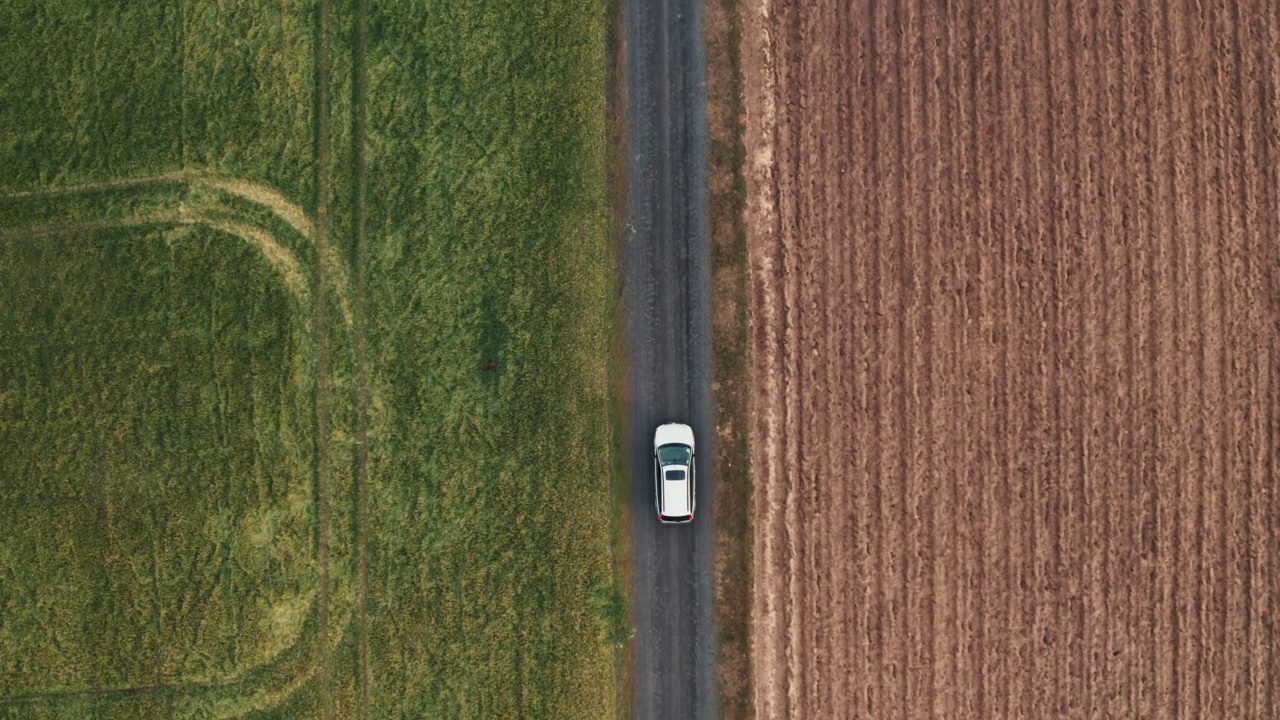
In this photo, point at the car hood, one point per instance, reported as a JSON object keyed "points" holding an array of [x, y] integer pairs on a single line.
{"points": [[673, 434]]}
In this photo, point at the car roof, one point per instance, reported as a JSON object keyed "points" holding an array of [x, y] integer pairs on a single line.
{"points": [[675, 493]]}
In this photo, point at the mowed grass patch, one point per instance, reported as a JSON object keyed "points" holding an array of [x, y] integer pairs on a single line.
{"points": [[488, 262], [156, 424]]}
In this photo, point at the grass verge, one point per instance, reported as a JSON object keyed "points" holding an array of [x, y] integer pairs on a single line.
{"points": [[730, 356], [619, 196]]}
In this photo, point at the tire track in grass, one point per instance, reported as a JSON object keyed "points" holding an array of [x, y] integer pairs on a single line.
{"points": [[322, 352], [362, 380], [279, 258], [173, 177]]}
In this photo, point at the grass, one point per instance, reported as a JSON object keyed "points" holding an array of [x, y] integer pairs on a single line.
{"points": [[159, 362], [132, 557], [731, 357], [488, 314]]}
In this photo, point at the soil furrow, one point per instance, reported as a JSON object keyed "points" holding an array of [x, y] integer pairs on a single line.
{"points": [[1166, 404], [1137, 137], [1024, 318], [910, 484], [794, 228], [1156, 523], [969, 664], [1193, 572], [1059, 590], [1249, 548], [926, 454], [845, 641], [948, 419], [878, 610], [1122, 647], [864, 197], [1267, 505], [1237, 497], [895, 475]]}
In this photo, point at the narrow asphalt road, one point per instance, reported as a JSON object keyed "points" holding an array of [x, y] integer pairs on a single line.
{"points": [[666, 281]]}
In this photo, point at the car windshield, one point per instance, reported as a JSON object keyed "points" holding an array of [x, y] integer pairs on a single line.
{"points": [[674, 455]]}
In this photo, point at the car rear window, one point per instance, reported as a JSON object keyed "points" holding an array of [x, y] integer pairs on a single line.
{"points": [[675, 474]]}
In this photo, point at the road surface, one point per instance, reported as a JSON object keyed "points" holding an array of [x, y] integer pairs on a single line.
{"points": [[666, 281]]}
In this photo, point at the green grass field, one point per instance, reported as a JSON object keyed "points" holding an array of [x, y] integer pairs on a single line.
{"points": [[304, 399]]}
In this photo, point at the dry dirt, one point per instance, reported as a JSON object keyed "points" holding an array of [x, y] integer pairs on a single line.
{"points": [[1015, 302]]}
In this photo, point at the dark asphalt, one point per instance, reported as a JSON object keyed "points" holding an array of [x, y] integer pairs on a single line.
{"points": [[666, 281]]}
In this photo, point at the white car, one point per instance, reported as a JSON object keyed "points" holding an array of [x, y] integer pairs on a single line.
{"points": [[674, 476]]}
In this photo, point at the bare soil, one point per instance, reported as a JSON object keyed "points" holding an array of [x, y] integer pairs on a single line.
{"points": [[1014, 312]]}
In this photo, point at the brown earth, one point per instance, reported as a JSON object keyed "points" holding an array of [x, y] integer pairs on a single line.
{"points": [[1015, 301]]}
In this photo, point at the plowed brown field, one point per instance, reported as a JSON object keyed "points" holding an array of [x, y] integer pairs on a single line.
{"points": [[1016, 301]]}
